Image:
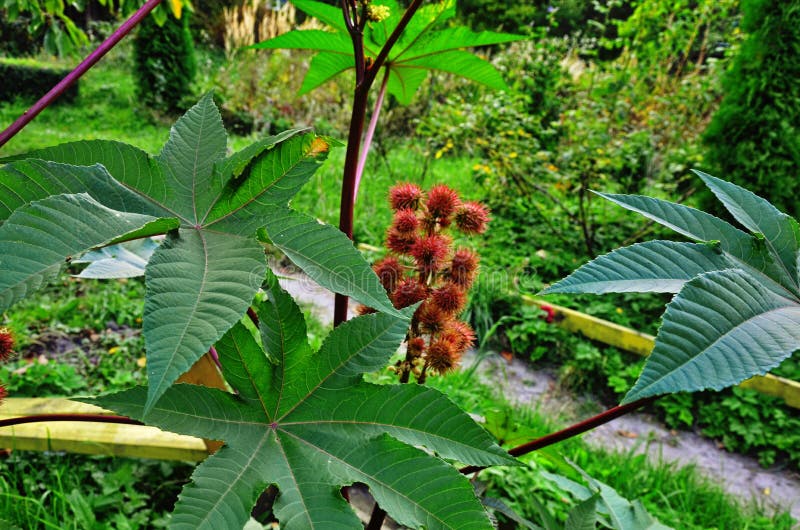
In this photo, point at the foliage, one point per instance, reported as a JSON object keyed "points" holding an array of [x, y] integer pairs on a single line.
{"points": [[164, 62], [694, 502], [293, 416], [426, 44], [60, 35], [77, 492], [754, 138], [736, 308]]}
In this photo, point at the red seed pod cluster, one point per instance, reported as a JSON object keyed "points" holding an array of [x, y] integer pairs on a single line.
{"points": [[423, 265], [6, 350]]}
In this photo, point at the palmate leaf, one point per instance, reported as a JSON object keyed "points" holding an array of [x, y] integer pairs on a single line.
{"points": [[205, 275], [40, 237], [654, 266], [425, 45], [722, 328], [309, 424], [737, 308]]}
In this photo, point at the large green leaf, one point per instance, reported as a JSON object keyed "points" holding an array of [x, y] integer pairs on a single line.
{"points": [[206, 274], [271, 180], [327, 256], [40, 237], [26, 181], [199, 283], [309, 424], [654, 266], [324, 67], [737, 310], [310, 39], [742, 250], [780, 232], [721, 329], [426, 44], [584, 515]]}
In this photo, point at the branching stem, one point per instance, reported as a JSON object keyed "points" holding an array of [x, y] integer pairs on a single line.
{"points": [[79, 70]]}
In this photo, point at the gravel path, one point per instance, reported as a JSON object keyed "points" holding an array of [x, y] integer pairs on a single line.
{"points": [[739, 475]]}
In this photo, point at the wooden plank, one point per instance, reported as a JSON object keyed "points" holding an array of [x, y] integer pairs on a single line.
{"points": [[205, 372], [642, 344], [91, 438]]}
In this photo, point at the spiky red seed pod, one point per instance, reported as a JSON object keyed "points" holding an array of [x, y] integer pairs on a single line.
{"points": [[463, 267], [405, 196], [389, 271], [450, 298], [442, 202], [408, 292], [6, 344], [429, 252], [3, 393], [472, 218], [432, 319], [400, 242], [415, 347], [405, 221], [460, 335], [442, 356]]}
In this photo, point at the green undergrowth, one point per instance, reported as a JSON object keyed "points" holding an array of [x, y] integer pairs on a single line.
{"points": [[106, 108], [677, 496]]}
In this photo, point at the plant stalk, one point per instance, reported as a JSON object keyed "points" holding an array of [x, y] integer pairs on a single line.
{"points": [[79, 70], [571, 431], [365, 76]]}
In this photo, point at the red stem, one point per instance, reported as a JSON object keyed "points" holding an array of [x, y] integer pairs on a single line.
{"points": [[365, 77], [81, 69], [573, 430], [97, 418]]}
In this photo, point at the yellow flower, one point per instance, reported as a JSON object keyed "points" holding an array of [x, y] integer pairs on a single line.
{"points": [[377, 13]]}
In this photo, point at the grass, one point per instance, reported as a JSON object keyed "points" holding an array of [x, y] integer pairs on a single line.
{"points": [[677, 496]]}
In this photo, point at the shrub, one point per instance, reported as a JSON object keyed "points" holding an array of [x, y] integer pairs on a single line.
{"points": [[29, 79], [754, 137], [164, 63]]}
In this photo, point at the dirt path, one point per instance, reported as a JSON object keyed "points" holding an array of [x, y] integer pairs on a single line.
{"points": [[739, 475]]}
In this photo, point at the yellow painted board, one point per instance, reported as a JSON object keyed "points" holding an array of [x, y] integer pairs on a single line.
{"points": [[598, 329], [642, 344], [91, 438]]}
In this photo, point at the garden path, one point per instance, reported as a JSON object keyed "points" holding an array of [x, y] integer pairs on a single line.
{"points": [[524, 385]]}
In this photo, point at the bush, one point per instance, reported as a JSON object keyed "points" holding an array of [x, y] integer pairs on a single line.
{"points": [[754, 138], [15, 39], [164, 63], [29, 79]]}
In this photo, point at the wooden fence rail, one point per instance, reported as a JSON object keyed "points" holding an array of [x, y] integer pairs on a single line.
{"points": [[642, 344]]}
